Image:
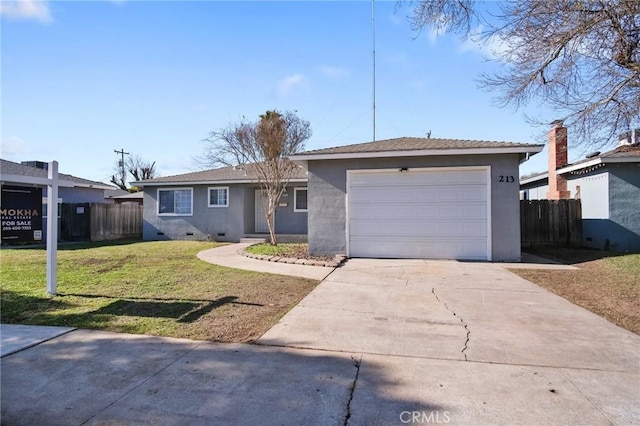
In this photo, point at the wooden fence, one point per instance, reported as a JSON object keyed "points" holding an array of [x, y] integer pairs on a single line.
{"points": [[101, 222], [550, 223]]}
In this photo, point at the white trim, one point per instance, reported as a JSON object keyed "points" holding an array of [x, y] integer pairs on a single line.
{"points": [[208, 182], [536, 178], [489, 252], [595, 162], [226, 188], [295, 198], [489, 221], [417, 153], [173, 189]]}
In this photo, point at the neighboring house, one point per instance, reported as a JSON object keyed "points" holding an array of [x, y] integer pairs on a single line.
{"points": [[120, 196], [223, 204], [416, 198], [607, 184], [71, 189]]}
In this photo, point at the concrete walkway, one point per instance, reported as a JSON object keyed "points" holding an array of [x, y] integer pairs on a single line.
{"points": [[377, 342], [229, 256]]}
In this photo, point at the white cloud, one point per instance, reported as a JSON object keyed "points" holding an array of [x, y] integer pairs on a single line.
{"points": [[289, 83], [334, 72], [36, 10], [434, 34], [12, 147]]}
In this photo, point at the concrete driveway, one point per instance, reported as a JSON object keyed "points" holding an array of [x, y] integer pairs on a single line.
{"points": [[471, 339], [377, 342]]}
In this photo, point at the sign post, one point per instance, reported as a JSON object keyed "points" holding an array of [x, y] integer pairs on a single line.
{"points": [[52, 229]]}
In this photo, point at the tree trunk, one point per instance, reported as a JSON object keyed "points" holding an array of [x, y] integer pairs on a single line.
{"points": [[271, 212]]}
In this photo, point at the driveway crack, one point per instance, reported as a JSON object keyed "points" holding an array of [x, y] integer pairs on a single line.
{"points": [[462, 321], [356, 363]]}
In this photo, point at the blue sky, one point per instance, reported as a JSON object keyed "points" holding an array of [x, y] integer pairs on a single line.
{"points": [[80, 79]]}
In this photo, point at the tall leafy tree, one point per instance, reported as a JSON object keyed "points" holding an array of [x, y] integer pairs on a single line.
{"points": [[579, 57], [264, 146]]}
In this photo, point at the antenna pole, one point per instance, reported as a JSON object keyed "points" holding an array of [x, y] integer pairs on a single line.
{"points": [[373, 39]]}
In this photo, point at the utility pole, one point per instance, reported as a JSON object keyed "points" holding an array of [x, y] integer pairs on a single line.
{"points": [[123, 172], [373, 42]]}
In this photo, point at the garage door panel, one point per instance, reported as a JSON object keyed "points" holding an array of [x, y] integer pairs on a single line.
{"points": [[468, 248], [427, 213], [395, 194], [436, 177], [418, 228], [420, 210]]}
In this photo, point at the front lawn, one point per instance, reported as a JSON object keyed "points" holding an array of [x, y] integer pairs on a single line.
{"points": [[158, 288], [606, 283]]}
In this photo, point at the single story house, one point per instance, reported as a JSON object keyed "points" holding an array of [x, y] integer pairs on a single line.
{"points": [[71, 189], [120, 196], [416, 198], [224, 204], [608, 186]]}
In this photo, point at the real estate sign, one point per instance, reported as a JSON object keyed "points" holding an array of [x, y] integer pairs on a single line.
{"points": [[21, 211]]}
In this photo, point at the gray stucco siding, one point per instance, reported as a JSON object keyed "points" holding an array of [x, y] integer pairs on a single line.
{"points": [[624, 206], [327, 198], [215, 223]]}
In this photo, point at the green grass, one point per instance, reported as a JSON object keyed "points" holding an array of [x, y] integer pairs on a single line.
{"points": [[158, 288], [629, 263], [282, 249]]}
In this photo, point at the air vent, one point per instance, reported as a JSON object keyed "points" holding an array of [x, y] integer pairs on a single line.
{"points": [[593, 154]]}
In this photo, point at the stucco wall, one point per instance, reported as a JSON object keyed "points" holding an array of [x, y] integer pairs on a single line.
{"points": [[327, 191], [216, 223], [289, 221], [624, 206]]}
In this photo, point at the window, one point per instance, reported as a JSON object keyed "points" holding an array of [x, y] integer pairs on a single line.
{"points": [[300, 199], [219, 196], [175, 202]]}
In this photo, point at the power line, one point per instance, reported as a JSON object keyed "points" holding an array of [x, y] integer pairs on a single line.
{"points": [[121, 163]]}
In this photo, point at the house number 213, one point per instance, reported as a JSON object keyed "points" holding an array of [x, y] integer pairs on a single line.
{"points": [[506, 179]]}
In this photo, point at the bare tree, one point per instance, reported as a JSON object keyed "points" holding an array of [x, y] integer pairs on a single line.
{"points": [[578, 57], [264, 146], [138, 168]]}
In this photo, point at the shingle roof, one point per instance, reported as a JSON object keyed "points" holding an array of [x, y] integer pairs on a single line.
{"points": [[624, 151], [230, 174], [415, 144], [10, 168]]}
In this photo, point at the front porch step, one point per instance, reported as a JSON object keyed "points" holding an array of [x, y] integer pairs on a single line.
{"points": [[282, 238], [253, 240]]}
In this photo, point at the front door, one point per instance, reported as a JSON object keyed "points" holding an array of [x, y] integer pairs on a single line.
{"points": [[262, 227]]}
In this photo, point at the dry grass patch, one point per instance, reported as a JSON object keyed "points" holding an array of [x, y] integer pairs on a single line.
{"points": [[157, 288], [606, 283]]}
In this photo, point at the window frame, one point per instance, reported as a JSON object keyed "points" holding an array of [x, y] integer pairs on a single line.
{"points": [[174, 205], [295, 199], [226, 188]]}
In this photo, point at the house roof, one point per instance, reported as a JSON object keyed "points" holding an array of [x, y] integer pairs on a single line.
{"points": [[11, 172], [411, 146], [621, 154], [130, 196], [115, 192], [224, 175]]}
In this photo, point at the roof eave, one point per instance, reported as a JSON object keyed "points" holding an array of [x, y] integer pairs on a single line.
{"points": [[533, 149], [207, 182]]}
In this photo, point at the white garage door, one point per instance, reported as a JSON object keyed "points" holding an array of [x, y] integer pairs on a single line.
{"points": [[435, 213]]}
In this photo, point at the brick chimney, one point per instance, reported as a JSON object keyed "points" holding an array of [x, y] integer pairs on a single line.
{"points": [[557, 158]]}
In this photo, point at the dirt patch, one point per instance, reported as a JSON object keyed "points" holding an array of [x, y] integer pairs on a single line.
{"points": [[600, 284]]}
